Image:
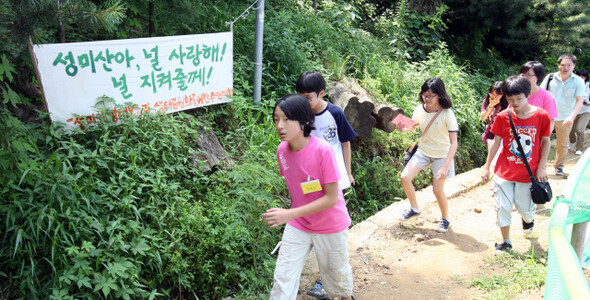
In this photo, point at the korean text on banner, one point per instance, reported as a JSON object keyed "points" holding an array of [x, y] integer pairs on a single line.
{"points": [[163, 74]]}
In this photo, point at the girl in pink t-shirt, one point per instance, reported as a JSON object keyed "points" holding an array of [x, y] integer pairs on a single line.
{"points": [[318, 216], [492, 105], [534, 71]]}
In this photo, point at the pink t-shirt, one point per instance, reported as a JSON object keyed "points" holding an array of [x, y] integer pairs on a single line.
{"points": [[544, 100], [315, 161], [510, 165]]}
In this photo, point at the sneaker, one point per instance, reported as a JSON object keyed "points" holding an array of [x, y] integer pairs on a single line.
{"points": [[318, 290], [558, 171], [408, 214], [504, 247], [579, 152], [570, 146], [528, 227], [443, 226]]}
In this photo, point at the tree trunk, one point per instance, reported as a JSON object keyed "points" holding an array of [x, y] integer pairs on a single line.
{"points": [[384, 114], [428, 6], [357, 110], [61, 26], [209, 152], [151, 27]]}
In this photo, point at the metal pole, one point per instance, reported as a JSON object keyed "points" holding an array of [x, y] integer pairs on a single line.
{"points": [[578, 238], [258, 51]]}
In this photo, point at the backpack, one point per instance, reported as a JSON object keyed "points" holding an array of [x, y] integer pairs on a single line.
{"points": [[549, 81]]}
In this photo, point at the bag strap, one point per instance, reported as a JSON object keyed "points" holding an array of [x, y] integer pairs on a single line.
{"points": [[549, 81], [517, 138], [431, 121]]}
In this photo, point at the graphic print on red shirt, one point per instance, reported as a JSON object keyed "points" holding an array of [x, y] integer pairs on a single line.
{"points": [[510, 165]]}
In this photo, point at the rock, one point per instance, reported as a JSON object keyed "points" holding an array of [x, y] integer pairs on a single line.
{"points": [[477, 210], [419, 237]]}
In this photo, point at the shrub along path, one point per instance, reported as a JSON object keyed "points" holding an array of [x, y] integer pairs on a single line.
{"points": [[393, 260]]}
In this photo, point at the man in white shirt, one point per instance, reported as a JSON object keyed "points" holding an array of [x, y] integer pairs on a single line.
{"points": [[568, 90]]}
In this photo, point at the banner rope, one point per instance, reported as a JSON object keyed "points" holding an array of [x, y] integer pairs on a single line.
{"points": [[242, 16]]}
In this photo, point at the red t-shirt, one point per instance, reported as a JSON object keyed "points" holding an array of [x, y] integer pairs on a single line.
{"points": [[510, 165]]}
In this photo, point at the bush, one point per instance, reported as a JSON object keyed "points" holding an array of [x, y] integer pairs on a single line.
{"points": [[118, 211]]}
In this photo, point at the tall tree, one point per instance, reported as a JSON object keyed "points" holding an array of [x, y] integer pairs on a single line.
{"points": [[48, 21], [519, 30]]}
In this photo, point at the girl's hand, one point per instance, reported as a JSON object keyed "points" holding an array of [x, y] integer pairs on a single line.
{"points": [[406, 129], [351, 179], [494, 100], [276, 217], [442, 173]]}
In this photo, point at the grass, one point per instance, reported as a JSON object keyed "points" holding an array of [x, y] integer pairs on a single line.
{"points": [[523, 272]]}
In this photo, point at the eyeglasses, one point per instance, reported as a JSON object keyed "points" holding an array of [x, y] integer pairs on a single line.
{"points": [[429, 96], [527, 75]]}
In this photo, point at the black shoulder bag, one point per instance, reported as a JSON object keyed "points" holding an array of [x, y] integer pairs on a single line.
{"points": [[540, 191]]}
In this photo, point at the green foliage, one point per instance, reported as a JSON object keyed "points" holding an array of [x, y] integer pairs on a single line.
{"points": [[524, 272], [562, 26], [516, 30], [378, 185], [490, 22], [415, 33], [107, 16], [118, 211], [7, 72]]}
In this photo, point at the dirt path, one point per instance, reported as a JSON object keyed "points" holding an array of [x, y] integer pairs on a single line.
{"points": [[412, 261]]}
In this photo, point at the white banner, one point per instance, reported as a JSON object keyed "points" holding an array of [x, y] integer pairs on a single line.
{"points": [[162, 73]]}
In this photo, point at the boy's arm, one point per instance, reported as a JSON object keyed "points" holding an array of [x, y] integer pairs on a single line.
{"points": [[542, 167], [485, 176], [442, 173], [347, 153], [276, 217]]}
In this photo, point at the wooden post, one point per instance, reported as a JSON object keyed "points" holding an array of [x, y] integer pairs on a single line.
{"points": [[35, 63], [578, 239]]}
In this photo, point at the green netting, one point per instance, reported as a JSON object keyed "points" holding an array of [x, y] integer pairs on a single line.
{"points": [[576, 192], [565, 278]]}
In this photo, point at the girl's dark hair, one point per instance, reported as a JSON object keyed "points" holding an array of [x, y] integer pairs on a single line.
{"points": [[537, 67], [584, 72], [515, 85], [436, 86], [496, 87], [296, 107], [310, 82]]}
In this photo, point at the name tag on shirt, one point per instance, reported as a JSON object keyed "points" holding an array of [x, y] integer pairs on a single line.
{"points": [[311, 186]]}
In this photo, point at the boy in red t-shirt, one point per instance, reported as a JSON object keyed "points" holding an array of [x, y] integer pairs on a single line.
{"points": [[511, 181]]}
